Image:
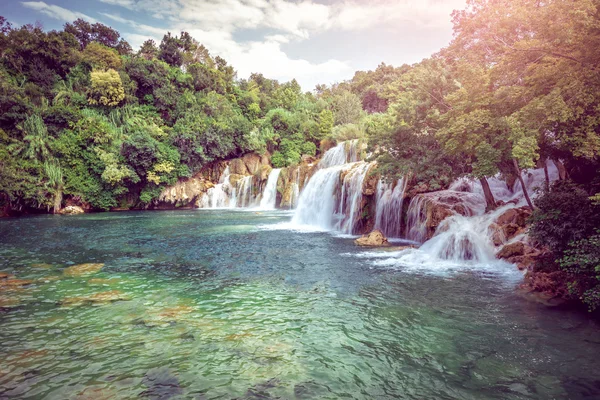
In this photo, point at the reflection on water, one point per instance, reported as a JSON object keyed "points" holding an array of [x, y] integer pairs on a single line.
{"points": [[210, 304]]}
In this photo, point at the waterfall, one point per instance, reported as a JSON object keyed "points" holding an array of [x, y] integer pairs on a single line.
{"points": [[243, 190], [295, 190], [269, 196], [330, 201], [415, 220], [222, 195], [389, 202], [349, 204]]}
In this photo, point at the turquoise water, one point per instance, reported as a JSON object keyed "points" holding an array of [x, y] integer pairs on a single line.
{"points": [[215, 305]]}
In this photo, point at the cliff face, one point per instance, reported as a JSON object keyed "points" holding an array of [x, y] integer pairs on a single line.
{"points": [[187, 193]]}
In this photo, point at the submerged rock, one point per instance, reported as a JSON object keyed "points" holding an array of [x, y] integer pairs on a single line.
{"points": [[83, 269], [161, 384], [14, 283], [71, 210], [373, 239], [95, 299], [4, 275]]}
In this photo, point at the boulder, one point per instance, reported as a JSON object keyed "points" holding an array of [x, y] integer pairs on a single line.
{"points": [[252, 162], [512, 250], [71, 210], [517, 216], [511, 230], [373, 239], [238, 167]]}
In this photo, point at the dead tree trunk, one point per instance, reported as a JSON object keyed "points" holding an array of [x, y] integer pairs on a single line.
{"points": [[525, 193], [490, 203]]}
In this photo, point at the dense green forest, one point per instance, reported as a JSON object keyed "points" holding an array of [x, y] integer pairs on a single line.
{"points": [[85, 117]]}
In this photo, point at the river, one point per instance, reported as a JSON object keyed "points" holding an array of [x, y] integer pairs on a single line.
{"points": [[221, 304]]}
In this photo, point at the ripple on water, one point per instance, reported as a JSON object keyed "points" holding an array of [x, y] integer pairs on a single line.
{"points": [[227, 304]]}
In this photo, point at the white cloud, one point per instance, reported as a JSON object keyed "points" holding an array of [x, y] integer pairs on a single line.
{"points": [[159, 32], [56, 12], [268, 58], [428, 13], [283, 21]]}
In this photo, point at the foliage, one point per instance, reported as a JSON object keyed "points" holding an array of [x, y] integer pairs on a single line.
{"points": [[563, 215], [582, 262], [106, 88]]}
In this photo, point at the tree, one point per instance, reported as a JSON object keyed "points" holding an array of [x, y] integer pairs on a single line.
{"points": [[86, 33], [36, 138], [106, 89], [347, 108], [325, 122], [170, 50], [55, 181], [148, 50], [101, 57]]}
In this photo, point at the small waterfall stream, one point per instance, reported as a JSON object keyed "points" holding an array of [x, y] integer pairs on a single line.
{"points": [[269, 196], [389, 203], [332, 197]]}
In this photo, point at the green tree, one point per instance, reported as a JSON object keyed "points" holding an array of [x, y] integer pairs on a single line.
{"points": [[106, 88]]}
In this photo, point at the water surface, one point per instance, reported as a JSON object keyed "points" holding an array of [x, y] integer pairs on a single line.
{"points": [[217, 305]]}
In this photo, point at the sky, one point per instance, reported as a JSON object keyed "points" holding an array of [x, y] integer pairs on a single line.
{"points": [[313, 41]]}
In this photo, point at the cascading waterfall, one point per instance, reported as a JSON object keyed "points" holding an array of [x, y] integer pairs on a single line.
{"points": [[328, 202], [415, 220], [460, 238], [244, 192], [389, 202], [269, 197], [222, 195], [295, 190], [349, 204]]}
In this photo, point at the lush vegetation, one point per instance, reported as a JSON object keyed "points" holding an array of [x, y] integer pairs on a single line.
{"points": [[84, 117]]}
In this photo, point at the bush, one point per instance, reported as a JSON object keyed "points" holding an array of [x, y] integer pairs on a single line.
{"points": [[309, 148], [563, 215], [582, 262]]}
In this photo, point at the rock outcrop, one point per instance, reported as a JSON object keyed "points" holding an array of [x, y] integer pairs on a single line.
{"points": [[71, 210], [184, 193], [373, 239]]}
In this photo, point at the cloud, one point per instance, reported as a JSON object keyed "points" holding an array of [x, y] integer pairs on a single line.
{"points": [[140, 27], [428, 13], [268, 58], [56, 12]]}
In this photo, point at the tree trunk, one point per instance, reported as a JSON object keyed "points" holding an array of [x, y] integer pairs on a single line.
{"points": [[525, 193], [562, 171], [490, 203], [546, 175], [57, 200]]}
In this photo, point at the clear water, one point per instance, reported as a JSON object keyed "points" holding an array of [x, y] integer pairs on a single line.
{"points": [[217, 306]]}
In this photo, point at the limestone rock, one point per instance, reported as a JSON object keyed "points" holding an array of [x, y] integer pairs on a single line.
{"points": [[369, 187], [252, 161], [238, 167], [517, 216], [373, 239], [511, 250], [185, 192], [71, 210]]}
